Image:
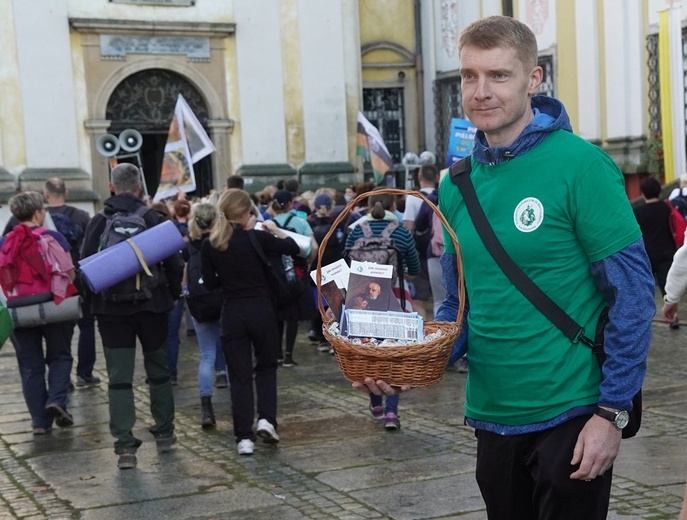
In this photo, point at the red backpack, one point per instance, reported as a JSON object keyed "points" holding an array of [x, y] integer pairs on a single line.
{"points": [[28, 262], [678, 225]]}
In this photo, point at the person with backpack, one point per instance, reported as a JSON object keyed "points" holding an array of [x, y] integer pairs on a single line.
{"points": [[136, 308], [230, 261], [205, 307], [303, 308], [72, 223], [321, 221], [653, 218], [396, 244], [26, 274]]}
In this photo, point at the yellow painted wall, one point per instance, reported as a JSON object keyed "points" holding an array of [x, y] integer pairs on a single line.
{"points": [[11, 113], [291, 71], [566, 69], [391, 20]]}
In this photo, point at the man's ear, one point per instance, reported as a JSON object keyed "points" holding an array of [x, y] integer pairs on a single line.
{"points": [[536, 77], [111, 187]]}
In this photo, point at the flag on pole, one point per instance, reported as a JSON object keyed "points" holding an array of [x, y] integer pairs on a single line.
{"points": [[672, 92], [371, 147], [187, 143]]}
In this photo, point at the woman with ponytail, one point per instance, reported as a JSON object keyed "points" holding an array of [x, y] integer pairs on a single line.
{"points": [[248, 319]]}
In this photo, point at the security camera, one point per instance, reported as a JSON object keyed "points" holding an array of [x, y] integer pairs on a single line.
{"points": [[401, 74]]}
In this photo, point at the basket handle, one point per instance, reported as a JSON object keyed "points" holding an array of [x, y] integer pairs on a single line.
{"points": [[390, 191]]}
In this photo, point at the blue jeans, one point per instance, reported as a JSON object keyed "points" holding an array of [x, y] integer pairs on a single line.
{"points": [[208, 336], [175, 316], [391, 402], [28, 344]]}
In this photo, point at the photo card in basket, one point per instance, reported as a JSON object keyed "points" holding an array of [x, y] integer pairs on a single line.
{"points": [[370, 288]]}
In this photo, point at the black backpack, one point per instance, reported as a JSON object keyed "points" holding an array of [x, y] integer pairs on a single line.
{"points": [[284, 283], [120, 227], [335, 245], [69, 230], [680, 203], [204, 305]]}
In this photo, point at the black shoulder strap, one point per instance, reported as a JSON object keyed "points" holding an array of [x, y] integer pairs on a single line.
{"points": [[258, 248], [460, 175]]}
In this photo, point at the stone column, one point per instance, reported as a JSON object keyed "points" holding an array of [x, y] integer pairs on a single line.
{"points": [[101, 170], [220, 130]]}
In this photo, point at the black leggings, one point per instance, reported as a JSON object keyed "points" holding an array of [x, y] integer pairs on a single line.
{"points": [[291, 333]]}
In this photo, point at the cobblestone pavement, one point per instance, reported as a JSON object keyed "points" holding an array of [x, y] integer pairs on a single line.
{"points": [[334, 460]]}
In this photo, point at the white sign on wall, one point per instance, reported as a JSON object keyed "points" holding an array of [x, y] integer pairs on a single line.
{"points": [[176, 3]]}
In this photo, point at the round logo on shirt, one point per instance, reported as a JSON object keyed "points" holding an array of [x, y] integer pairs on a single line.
{"points": [[528, 215]]}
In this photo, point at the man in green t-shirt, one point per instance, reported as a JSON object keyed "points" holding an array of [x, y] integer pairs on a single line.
{"points": [[548, 422]]}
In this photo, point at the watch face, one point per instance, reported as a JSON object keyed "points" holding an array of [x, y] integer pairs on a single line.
{"points": [[622, 419]]}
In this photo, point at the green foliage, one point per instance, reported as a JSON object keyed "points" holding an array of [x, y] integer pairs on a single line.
{"points": [[654, 155]]}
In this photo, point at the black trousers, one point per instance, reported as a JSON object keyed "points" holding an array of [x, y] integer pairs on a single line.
{"points": [[527, 477], [249, 325]]}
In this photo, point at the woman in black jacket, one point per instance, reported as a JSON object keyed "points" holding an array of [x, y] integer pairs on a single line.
{"points": [[249, 320]]}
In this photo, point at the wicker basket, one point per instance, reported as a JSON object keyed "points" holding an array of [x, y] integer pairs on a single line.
{"points": [[417, 365]]}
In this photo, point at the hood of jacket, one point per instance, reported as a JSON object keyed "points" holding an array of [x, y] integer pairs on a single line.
{"points": [[122, 202], [549, 116]]}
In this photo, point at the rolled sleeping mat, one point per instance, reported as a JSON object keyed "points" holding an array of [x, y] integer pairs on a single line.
{"points": [[116, 263], [304, 243], [47, 312]]}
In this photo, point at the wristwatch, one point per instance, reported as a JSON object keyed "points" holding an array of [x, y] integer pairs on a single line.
{"points": [[619, 419]]}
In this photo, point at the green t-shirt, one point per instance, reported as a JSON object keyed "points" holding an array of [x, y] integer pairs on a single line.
{"points": [[555, 209]]}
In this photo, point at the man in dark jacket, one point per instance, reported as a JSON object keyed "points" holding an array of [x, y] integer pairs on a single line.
{"points": [[121, 322]]}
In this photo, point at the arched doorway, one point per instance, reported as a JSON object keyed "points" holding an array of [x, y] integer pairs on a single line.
{"points": [[145, 102]]}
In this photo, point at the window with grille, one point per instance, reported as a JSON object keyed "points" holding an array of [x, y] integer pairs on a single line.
{"points": [[383, 107]]}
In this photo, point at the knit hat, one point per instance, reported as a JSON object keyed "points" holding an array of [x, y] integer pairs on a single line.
{"points": [[323, 200]]}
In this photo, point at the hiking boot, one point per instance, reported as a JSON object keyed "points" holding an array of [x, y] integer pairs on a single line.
{"points": [[377, 411], [245, 447], [127, 461], [674, 325], [288, 361], [391, 422], [267, 431], [312, 335], [207, 419], [60, 414], [165, 444], [82, 381], [221, 380]]}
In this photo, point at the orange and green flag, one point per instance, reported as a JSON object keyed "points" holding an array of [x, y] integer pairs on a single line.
{"points": [[371, 147]]}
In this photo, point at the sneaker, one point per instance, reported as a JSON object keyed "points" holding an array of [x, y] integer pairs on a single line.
{"points": [[127, 461], [674, 325], [288, 361], [221, 380], [323, 346], [377, 411], [87, 381], [165, 444], [173, 379], [462, 365], [391, 422], [60, 414], [267, 431], [331, 350], [245, 447], [41, 431], [280, 361], [312, 335]]}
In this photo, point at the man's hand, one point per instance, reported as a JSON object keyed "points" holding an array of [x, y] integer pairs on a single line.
{"points": [[379, 387], [596, 449], [669, 311]]}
